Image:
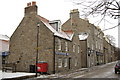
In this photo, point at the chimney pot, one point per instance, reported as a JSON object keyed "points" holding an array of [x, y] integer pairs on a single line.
{"points": [[33, 3], [28, 4], [74, 10]]}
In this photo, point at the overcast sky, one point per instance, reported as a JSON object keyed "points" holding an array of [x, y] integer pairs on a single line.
{"points": [[12, 12]]}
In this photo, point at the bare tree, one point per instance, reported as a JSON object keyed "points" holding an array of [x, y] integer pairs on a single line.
{"points": [[103, 7], [111, 39]]}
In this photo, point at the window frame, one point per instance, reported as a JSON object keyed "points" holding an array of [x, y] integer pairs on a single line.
{"points": [[59, 45], [59, 62]]}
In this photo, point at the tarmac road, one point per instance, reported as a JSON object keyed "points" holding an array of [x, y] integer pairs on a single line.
{"points": [[104, 72]]}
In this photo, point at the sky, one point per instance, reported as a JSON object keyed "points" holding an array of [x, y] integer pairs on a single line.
{"points": [[12, 12]]}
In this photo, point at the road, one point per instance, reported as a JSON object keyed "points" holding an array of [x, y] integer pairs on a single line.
{"points": [[104, 72], [101, 71]]}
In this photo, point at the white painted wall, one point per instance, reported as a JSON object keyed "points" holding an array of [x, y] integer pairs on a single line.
{"points": [[5, 45]]}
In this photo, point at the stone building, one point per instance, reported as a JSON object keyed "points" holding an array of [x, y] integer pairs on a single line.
{"points": [[110, 51], [105, 46], [95, 49], [37, 35], [99, 35], [75, 44], [82, 26]]}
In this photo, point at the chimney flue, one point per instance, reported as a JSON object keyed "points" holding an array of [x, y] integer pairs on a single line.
{"points": [[33, 3], [28, 4]]}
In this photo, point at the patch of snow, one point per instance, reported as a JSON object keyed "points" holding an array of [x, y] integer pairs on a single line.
{"points": [[4, 37], [43, 76], [79, 76], [83, 36], [13, 75]]}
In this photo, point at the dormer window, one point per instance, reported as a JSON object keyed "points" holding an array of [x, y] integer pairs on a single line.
{"points": [[56, 24]]}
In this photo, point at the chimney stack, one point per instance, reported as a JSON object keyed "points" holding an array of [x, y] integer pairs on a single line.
{"points": [[74, 17], [31, 8], [74, 13]]}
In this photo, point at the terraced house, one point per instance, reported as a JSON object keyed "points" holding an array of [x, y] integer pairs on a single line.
{"points": [[93, 51], [82, 26], [70, 46]]}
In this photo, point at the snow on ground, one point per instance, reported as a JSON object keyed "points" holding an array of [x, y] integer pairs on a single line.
{"points": [[13, 75], [20, 74]]}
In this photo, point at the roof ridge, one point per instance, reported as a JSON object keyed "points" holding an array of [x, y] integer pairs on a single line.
{"points": [[61, 34]]}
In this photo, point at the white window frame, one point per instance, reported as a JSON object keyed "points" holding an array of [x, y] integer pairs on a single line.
{"points": [[99, 46], [78, 49], [76, 61], [74, 48], [88, 44], [59, 44], [59, 63], [65, 62], [96, 44], [92, 47], [66, 46]]}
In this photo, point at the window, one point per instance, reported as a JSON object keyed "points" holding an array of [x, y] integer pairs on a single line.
{"points": [[88, 44], [59, 44], [75, 61], [66, 46], [54, 25], [74, 48], [92, 47], [78, 49], [99, 45], [65, 62], [96, 44], [59, 63]]}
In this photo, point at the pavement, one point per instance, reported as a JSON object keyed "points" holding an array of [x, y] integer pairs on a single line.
{"points": [[59, 75]]}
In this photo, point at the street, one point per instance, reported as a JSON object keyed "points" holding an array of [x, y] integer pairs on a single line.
{"points": [[101, 71], [104, 72]]}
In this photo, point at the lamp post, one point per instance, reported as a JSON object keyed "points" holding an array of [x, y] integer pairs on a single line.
{"points": [[37, 48]]}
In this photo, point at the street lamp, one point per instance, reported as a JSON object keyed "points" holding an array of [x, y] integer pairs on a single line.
{"points": [[37, 47]]}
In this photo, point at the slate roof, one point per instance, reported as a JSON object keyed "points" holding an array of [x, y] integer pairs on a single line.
{"points": [[61, 34]]}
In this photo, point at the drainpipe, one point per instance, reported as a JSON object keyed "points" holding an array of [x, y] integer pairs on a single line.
{"points": [[54, 55], [86, 54], [38, 25]]}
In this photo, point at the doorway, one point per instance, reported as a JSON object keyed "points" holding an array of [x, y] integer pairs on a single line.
{"points": [[69, 63]]}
